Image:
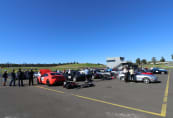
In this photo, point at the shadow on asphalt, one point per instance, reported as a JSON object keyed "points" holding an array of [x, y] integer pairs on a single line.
{"points": [[158, 82]]}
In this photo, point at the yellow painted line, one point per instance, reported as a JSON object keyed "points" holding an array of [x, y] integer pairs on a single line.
{"points": [[165, 99], [5, 87], [164, 108], [117, 105], [101, 101], [164, 105], [50, 89]]}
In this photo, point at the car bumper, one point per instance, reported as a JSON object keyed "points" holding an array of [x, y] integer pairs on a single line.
{"points": [[54, 82], [154, 80]]}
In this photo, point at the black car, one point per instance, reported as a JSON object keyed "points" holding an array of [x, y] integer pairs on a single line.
{"points": [[75, 76], [159, 71]]}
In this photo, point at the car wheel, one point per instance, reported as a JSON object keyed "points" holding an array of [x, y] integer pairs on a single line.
{"points": [[48, 83], [146, 81], [74, 79], [122, 78]]}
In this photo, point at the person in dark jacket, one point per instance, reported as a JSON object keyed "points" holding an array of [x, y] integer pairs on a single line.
{"points": [[13, 78], [20, 76], [5, 76], [126, 72], [27, 75], [31, 77]]}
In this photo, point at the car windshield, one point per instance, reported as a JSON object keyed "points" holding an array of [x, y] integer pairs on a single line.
{"points": [[55, 74]]}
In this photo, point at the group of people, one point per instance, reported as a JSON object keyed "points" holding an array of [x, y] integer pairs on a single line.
{"points": [[20, 75], [129, 74]]}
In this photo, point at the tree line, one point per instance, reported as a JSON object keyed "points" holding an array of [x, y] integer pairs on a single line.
{"points": [[153, 60], [34, 65]]}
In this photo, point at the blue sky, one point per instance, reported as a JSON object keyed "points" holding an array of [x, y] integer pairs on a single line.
{"points": [[52, 31]]}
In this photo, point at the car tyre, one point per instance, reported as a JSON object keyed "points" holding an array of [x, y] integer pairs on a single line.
{"points": [[146, 81]]}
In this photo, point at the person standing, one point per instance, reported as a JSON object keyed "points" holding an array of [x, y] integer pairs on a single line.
{"points": [[132, 76], [5, 76], [126, 72], [64, 71], [58, 71], [87, 75], [27, 75], [20, 76], [31, 77], [13, 78]]}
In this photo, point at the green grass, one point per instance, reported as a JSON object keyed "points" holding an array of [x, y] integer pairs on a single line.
{"points": [[76, 67], [158, 66], [80, 66], [61, 67]]}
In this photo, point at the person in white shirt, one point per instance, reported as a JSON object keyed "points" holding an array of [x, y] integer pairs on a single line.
{"points": [[132, 73], [69, 71], [126, 72]]}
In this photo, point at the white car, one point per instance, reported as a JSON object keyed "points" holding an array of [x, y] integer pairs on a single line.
{"points": [[140, 78]]}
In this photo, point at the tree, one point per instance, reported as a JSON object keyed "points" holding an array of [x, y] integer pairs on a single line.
{"points": [[144, 61], [154, 60], [138, 61], [172, 56], [162, 59]]}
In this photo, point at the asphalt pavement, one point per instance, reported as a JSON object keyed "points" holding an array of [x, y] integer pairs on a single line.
{"points": [[108, 99]]}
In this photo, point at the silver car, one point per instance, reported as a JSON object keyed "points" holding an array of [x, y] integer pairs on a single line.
{"points": [[140, 78]]}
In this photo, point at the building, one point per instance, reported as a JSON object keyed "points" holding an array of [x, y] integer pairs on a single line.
{"points": [[115, 62]]}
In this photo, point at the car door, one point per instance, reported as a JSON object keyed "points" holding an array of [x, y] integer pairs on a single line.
{"points": [[139, 77]]}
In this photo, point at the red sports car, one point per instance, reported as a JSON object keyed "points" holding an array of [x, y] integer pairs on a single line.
{"points": [[50, 78]]}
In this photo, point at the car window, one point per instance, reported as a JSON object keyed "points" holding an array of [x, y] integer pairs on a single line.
{"points": [[55, 74], [45, 75]]}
